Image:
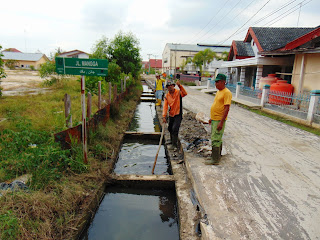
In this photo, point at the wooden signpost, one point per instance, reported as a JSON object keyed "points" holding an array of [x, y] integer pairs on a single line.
{"points": [[83, 67]]}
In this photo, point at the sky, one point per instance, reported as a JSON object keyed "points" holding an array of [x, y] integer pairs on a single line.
{"points": [[44, 26]]}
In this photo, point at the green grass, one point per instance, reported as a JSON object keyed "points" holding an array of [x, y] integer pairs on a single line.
{"points": [[45, 111], [9, 227], [61, 185]]}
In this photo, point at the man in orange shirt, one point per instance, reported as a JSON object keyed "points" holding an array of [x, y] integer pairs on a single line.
{"points": [[173, 99], [218, 116]]}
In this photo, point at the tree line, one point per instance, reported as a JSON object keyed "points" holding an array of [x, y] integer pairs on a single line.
{"points": [[203, 58]]}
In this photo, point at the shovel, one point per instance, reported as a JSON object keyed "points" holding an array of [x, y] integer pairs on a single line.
{"points": [[160, 143]]}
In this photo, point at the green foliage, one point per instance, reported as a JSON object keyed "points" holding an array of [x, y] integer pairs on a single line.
{"points": [[224, 56], [99, 50], [2, 73], [32, 67], [188, 83], [184, 63], [11, 63], [9, 226], [35, 152], [203, 57], [47, 69], [114, 72], [92, 84], [124, 49]]}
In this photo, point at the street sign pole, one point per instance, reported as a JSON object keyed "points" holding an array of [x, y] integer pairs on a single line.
{"points": [[82, 67], [84, 123]]}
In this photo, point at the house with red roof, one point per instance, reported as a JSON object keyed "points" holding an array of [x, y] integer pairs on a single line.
{"points": [[11, 50], [154, 63], [292, 53], [74, 54]]}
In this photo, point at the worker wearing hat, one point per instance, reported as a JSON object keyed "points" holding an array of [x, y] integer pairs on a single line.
{"points": [[218, 116], [159, 89], [173, 99]]}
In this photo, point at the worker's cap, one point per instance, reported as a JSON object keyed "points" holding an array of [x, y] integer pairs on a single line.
{"points": [[169, 82], [220, 76]]}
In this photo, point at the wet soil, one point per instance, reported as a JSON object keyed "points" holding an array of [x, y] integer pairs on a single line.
{"points": [[194, 135]]}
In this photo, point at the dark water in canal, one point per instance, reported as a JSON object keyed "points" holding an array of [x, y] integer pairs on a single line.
{"points": [[137, 157], [145, 118], [135, 214]]}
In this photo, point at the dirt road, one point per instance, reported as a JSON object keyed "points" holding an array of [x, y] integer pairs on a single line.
{"points": [[20, 82], [268, 184]]}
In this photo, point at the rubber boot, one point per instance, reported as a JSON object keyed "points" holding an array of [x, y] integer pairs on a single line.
{"points": [[215, 156], [175, 142], [158, 102], [169, 141]]}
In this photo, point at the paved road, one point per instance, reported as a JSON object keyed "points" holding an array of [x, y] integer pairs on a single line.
{"points": [[268, 184]]}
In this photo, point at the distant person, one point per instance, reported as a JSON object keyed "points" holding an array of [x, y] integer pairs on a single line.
{"points": [[164, 75], [173, 99], [218, 116], [159, 86]]}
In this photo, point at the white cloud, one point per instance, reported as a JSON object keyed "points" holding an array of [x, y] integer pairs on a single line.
{"points": [[72, 24]]}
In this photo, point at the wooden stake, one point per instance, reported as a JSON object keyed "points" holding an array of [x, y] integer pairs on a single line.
{"points": [[89, 102], [84, 123], [67, 110], [160, 143], [110, 91], [99, 95]]}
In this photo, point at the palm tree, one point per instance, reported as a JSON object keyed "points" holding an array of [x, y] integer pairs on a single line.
{"points": [[203, 58]]}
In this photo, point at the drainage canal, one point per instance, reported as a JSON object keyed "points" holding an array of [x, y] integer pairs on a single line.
{"points": [[142, 209]]}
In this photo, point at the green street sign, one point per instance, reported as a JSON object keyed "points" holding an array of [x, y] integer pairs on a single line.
{"points": [[82, 66]]}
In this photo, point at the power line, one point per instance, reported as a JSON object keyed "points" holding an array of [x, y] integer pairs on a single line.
{"points": [[277, 19], [220, 20], [246, 22], [245, 9], [209, 21]]}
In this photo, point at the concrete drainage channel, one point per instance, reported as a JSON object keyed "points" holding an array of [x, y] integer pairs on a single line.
{"points": [[140, 205]]}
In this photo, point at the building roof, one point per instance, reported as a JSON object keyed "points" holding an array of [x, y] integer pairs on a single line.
{"points": [[22, 56], [270, 38], [11, 50], [197, 47], [155, 63], [244, 49], [72, 53]]}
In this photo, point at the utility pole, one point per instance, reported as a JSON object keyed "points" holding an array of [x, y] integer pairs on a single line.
{"points": [[149, 61], [155, 68]]}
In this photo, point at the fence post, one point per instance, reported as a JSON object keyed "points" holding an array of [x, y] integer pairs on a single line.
{"points": [[238, 89], [121, 85], [99, 95], [67, 110], [208, 83], [264, 96], [89, 102], [314, 101], [110, 91], [115, 92]]}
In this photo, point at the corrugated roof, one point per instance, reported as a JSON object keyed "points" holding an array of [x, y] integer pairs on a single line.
{"points": [[197, 48], [275, 38], [22, 56], [244, 49]]}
